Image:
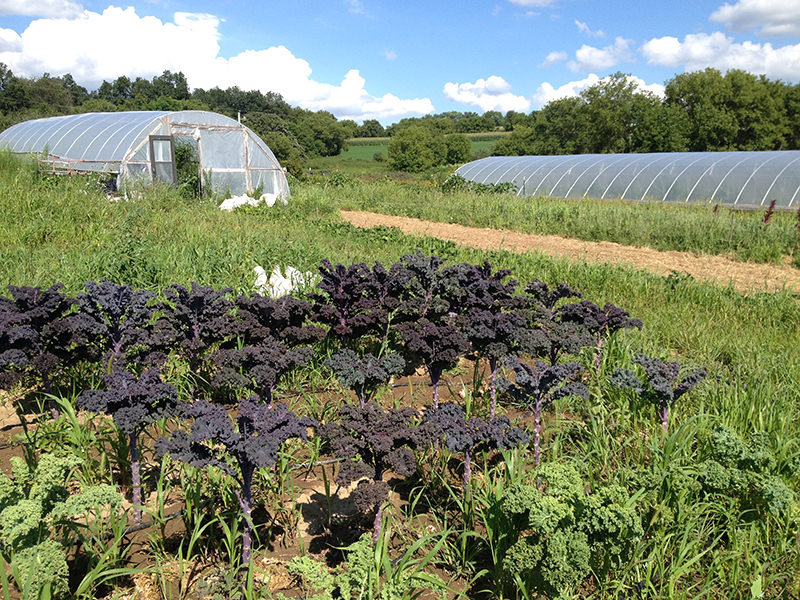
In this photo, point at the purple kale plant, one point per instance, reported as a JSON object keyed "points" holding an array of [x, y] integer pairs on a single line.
{"points": [[427, 288], [538, 385], [257, 368], [601, 322], [237, 445], [261, 318], [661, 384], [364, 374], [463, 435], [133, 403], [437, 347], [489, 315], [342, 303], [370, 440], [31, 341], [112, 318], [548, 336], [191, 323]]}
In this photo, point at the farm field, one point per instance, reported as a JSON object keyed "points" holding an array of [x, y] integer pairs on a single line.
{"points": [[618, 507]]}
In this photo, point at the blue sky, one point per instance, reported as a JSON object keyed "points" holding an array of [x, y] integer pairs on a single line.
{"points": [[385, 59]]}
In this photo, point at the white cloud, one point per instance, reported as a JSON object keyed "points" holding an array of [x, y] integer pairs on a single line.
{"points": [[589, 58], [772, 18], [355, 7], [492, 93], [700, 50], [584, 28], [389, 54], [10, 41], [554, 58], [40, 8], [547, 92], [98, 46], [539, 3]]}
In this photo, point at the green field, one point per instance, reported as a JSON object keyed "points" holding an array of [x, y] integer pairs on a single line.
{"points": [[718, 507]]}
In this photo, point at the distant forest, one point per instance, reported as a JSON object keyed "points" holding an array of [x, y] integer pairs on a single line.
{"points": [[701, 111]]}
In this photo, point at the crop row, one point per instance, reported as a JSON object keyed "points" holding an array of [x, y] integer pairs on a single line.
{"points": [[366, 325]]}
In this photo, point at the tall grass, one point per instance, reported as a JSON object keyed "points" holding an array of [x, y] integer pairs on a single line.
{"points": [[742, 234]]}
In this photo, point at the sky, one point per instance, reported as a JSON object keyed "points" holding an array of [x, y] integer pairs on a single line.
{"points": [[390, 59]]}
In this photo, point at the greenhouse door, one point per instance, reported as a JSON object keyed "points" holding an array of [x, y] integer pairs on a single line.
{"points": [[162, 159]]}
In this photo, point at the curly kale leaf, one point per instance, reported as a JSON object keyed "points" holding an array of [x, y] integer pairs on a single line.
{"points": [[262, 318], [133, 402], [364, 374], [258, 368], [546, 297], [29, 337], [191, 322]]}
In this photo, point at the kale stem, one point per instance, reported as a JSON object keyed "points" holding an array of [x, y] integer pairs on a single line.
{"points": [[136, 479]]}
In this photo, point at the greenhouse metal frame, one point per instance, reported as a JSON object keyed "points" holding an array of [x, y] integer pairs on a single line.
{"points": [[737, 179], [139, 147]]}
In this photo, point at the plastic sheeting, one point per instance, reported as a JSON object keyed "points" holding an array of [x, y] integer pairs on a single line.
{"points": [[742, 179], [232, 158]]}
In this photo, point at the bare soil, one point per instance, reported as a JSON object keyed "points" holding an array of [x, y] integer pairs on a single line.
{"points": [[743, 276]]}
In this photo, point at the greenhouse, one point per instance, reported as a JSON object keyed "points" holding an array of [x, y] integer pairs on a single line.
{"points": [[740, 179], [139, 147]]}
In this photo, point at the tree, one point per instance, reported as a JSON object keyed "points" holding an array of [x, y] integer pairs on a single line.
{"points": [[458, 148], [415, 149], [370, 128]]}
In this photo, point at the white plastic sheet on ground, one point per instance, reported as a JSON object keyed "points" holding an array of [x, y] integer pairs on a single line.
{"points": [[279, 284], [245, 200]]}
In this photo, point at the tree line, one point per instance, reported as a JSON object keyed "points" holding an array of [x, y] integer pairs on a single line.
{"points": [[700, 111]]}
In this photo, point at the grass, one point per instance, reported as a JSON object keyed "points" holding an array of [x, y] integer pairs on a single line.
{"points": [[739, 234], [65, 230]]}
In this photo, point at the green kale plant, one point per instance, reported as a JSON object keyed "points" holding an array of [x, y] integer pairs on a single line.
{"points": [[36, 511], [746, 472], [562, 533]]}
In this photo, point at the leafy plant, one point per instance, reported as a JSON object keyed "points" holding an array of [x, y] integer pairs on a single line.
{"points": [[236, 446], [660, 384], [601, 322], [134, 403], [538, 385], [371, 440], [467, 435], [364, 374], [562, 533], [35, 508]]}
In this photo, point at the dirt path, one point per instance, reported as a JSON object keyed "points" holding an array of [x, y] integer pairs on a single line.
{"points": [[745, 277]]}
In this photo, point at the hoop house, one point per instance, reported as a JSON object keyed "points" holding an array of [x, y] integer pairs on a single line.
{"points": [[741, 179], [140, 147]]}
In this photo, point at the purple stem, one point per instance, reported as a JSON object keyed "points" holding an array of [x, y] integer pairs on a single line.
{"points": [[492, 387], [467, 470], [598, 359], [245, 502], [377, 524], [537, 422], [135, 479], [665, 417]]}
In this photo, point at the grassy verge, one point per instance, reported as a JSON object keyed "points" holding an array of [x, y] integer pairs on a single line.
{"points": [[741, 234]]}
